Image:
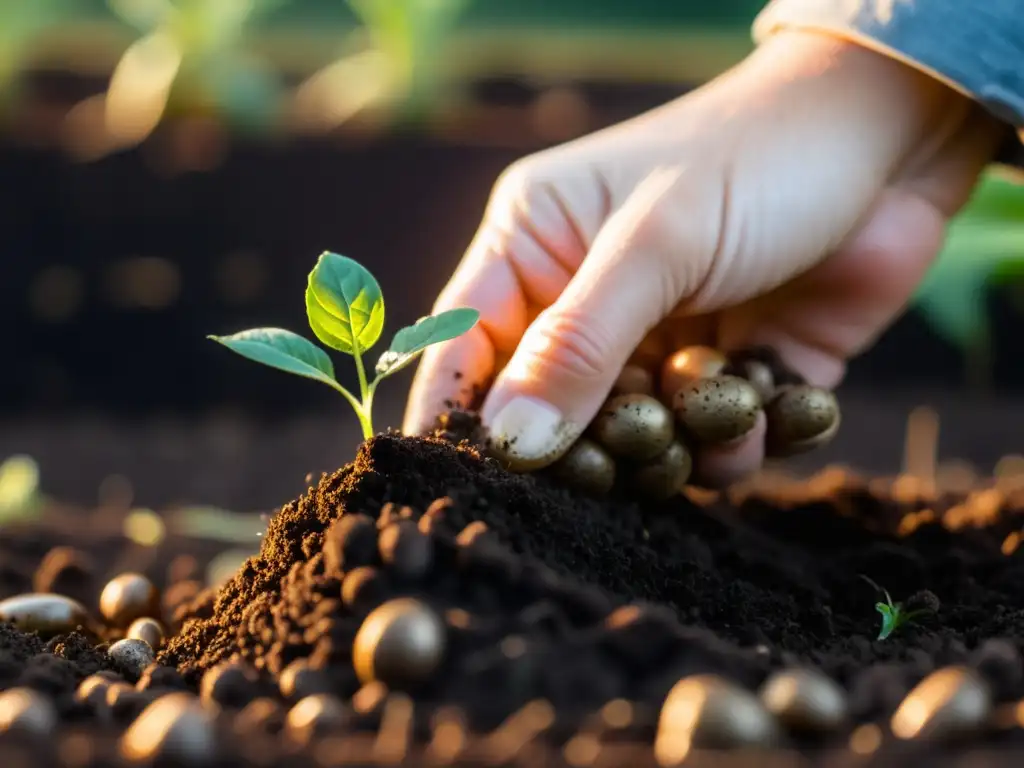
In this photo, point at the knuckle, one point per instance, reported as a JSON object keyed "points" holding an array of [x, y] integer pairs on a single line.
{"points": [[570, 346], [520, 185]]}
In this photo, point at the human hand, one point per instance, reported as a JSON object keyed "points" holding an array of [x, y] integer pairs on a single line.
{"points": [[796, 201]]}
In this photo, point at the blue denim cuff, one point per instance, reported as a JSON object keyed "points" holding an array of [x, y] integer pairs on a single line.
{"points": [[975, 46]]}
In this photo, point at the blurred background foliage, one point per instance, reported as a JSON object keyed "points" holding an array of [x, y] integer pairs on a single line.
{"points": [[172, 167], [312, 66]]}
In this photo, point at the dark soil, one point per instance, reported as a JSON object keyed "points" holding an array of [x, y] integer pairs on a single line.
{"points": [[561, 599]]}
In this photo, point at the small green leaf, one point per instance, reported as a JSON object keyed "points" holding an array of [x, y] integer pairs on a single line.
{"points": [[283, 350], [410, 341], [890, 619], [344, 304]]}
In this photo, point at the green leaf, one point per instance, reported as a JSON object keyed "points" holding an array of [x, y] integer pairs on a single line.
{"points": [[344, 304], [410, 341], [890, 619], [985, 241], [283, 350]]}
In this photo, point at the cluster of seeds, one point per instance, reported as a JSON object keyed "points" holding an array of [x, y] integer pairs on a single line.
{"points": [[644, 437]]}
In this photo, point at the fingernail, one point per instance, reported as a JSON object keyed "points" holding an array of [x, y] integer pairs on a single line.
{"points": [[530, 434]]}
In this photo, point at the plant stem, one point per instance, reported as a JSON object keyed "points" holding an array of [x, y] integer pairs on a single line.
{"points": [[362, 411], [366, 393]]}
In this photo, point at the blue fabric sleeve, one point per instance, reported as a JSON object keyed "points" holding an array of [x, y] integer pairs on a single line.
{"points": [[974, 46]]}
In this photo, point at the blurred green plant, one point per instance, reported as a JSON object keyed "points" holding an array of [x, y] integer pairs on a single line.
{"points": [[21, 23], [20, 497], [984, 247], [398, 73], [191, 57]]}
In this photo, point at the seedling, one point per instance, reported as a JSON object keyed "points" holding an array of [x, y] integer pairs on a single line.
{"points": [[345, 309], [895, 615]]}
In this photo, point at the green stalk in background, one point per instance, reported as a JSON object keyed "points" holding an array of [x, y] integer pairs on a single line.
{"points": [[984, 246], [411, 35], [21, 22], [190, 56]]}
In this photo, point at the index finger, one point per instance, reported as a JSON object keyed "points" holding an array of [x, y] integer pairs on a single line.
{"points": [[449, 374]]}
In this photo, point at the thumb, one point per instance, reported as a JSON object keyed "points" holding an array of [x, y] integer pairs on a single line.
{"points": [[568, 359]]}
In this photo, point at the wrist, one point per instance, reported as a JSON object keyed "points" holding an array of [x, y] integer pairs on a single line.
{"points": [[846, 81]]}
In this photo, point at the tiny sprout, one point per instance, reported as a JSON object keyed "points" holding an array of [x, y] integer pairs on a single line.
{"points": [[345, 310], [895, 615]]}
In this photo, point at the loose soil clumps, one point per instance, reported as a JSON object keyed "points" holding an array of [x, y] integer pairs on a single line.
{"points": [[424, 605], [578, 602]]}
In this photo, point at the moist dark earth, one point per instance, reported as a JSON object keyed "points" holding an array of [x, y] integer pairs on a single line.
{"points": [[558, 609]]}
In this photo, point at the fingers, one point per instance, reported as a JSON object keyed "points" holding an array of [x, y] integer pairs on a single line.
{"points": [[450, 374], [569, 358], [718, 466], [521, 258]]}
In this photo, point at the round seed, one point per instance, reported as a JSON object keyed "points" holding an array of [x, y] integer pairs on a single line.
{"points": [[47, 614], [665, 476], [175, 726], [948, 704], [708, 712], [634, 380], [364, 588], [128, 597], [688, 366], [230, 684], [350, 542], [805, 700], [299, 680], [407, 551], [633, 427], [401, 643], [28, 711], [587, 467], [314, 715], [147, 630], [132, 655], [759, 374], [93, 689], [719, 409], [801, 418]]}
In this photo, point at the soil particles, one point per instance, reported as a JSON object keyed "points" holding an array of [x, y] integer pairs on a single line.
{"points": [[540, 627]]}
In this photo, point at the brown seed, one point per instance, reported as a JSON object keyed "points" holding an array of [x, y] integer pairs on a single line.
{"points": [[314, 715], [633, 427], [805, 700], [634, 380], [44, 613], [28, 711], [400, 643], [760, 375], [587, 467], [175, 726], [93, 689], [948, 704], [719, 409], [801, 418], [709, 712], [147, 630], [688, 366], [666, 475], [132, 655], [128, 597], [299, 680]]}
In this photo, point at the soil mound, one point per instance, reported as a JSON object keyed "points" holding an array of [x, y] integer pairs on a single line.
{"points": [[547, 595]]}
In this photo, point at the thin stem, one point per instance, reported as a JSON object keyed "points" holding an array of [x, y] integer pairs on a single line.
{"points": [[366, 408], [361, 413]]}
